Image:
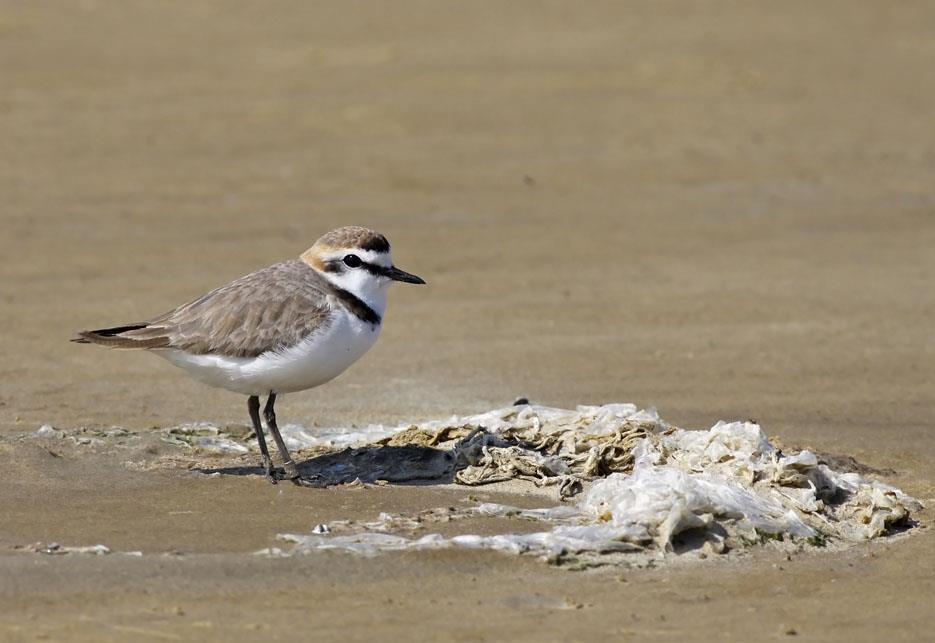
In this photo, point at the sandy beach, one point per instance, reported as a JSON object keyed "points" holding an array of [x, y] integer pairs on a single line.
{"points": [[722, 210]]}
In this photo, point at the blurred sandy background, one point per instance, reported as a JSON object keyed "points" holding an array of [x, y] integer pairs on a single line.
{"points": [[721, 209]]}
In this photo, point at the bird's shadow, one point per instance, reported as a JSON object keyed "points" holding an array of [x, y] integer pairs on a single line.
{"points": [[397, 464]]}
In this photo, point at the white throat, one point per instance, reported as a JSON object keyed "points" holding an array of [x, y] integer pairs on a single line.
{"points": [[369, 289], [366, 286]]}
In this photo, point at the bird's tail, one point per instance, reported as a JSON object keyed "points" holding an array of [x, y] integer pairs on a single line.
{"points": [[128, 336]]}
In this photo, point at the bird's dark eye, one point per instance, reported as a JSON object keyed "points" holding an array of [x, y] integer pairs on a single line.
{"points": [[352, 261]]}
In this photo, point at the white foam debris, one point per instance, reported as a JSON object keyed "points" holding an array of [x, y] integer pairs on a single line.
{"points": [[551, 545], [82, 436], [203, 436], [600, 420], [728, 486], [208, 437], [57, 549], [48, 431], [297, 436]]}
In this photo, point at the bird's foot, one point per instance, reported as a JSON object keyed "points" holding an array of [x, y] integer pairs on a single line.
{"points": [[275, 475], [291, 471], [272, 474], [313, 481]]}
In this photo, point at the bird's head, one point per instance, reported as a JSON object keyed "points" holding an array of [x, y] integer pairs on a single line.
{"points": [[357, 260]]}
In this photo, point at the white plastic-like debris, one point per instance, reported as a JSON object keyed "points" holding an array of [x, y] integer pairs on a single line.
{"points": [[725, 488], [634, 483], [551, 545]]}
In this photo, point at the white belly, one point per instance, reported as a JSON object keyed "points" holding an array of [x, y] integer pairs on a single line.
{"points": [[317, 359]]}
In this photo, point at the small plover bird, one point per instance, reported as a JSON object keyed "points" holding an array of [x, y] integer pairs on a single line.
{"points": [[289, 327]]}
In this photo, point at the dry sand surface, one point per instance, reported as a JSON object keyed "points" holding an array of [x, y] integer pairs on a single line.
{"points": [[721, 209]]}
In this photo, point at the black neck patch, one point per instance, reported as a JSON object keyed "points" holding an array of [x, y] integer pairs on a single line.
{"points": [[357, 306]]}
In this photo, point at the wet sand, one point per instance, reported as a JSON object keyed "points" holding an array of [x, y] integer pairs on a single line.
{"points": [[724, 210]]}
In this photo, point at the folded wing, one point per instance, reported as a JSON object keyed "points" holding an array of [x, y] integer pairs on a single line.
{"points": [[270, 309]]}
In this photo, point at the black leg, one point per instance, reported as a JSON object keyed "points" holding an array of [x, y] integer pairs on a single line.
{"points": [[292, 473], [253, 407]]}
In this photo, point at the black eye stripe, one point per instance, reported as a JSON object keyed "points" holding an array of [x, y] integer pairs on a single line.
{"points": [[373, 269], [340, 265]]}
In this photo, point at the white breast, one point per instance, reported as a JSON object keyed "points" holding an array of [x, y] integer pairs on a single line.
{"points": [[317, 359]]}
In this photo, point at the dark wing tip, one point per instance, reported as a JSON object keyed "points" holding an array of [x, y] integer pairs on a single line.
{"points": [[113, 338]]}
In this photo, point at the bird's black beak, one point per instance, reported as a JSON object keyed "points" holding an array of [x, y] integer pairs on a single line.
{"points": [[396, 274]]}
